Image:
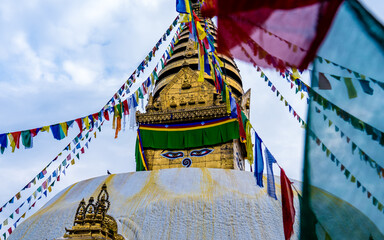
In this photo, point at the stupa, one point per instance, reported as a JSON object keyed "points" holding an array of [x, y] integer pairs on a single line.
{"points": [[196, 191]]}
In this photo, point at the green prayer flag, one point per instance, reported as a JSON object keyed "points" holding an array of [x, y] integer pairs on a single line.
{"points": [[26, 138], [141, 96], [155, 75], [350, 88]]}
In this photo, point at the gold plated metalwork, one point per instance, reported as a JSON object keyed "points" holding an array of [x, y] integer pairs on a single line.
{"points": [[179, 97], [92, 221]]}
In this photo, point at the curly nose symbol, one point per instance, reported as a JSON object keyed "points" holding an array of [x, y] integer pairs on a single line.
{"points": [[186, 162]]}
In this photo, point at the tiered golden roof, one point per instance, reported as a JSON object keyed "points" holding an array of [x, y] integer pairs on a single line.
{"points": [[92, 220]]}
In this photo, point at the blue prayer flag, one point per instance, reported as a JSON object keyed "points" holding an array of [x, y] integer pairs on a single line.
{"points": [[259, 164], [3, 140], [181, 6], [270, 160]]}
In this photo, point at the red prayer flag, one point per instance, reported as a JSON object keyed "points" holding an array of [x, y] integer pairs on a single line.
{"points": [[95, 116], [16, 138], [17, 210], [126, 109], [241, 126], [10, 230], [79, 122], [106, 115], [287, 205], [33, 132], [279, 34], [82, 150]]}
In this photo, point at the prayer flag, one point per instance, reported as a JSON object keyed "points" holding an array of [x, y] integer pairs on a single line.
{"points": [[324, 83], [261, 32], [270, 160], [350, 88], [57, 132], [365, 86], [287, 205], [259, 163], [3, 140], [18, 195], [106, 115], [64, 128], [86, 122]]}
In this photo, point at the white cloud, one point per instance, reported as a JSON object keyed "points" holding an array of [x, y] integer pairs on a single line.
{"points": [[81, 75]]}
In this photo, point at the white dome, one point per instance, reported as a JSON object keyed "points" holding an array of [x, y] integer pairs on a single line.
{"points": [[179, 203]]}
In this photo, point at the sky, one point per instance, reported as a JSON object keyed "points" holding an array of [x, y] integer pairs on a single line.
{"points": [[63, 60]]}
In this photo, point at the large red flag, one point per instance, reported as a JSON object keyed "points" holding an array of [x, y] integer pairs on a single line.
{"points": [[272, 33], [287, 202]]}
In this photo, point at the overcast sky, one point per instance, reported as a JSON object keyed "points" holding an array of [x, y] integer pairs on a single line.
{"points": [[61, 60]]}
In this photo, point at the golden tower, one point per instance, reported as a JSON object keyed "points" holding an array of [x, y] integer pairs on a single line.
{"points": [[178, 97]]}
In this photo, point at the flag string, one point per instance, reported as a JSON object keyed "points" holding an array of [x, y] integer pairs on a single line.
{"points": [[363, 155]]}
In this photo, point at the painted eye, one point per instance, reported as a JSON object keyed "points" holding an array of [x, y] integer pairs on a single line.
{"points": [[173, 155], [200, 152]]}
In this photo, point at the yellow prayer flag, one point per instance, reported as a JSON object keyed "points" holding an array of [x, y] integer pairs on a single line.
{"points": [[187, 6], [249, 145], [295, 74], [23, 216], [228, 103], [201, 62], [12, 142], [86, 122], [73, 161], [218, 59], [49, 189], [64, 126], [45, 129], [200, 31], [94, 134], [302, 95]]}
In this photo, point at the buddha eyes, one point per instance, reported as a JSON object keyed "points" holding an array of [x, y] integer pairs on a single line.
{"points": [[200, 152], [194, 153], [173, 155]]}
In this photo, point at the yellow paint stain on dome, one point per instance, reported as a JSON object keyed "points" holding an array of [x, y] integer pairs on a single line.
{"points": [[107, 181]]}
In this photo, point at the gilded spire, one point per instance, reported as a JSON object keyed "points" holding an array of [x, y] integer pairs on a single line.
{"points": [[91, 220]]}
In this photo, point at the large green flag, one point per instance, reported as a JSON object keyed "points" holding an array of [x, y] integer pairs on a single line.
{"points": [[343, 195]]}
